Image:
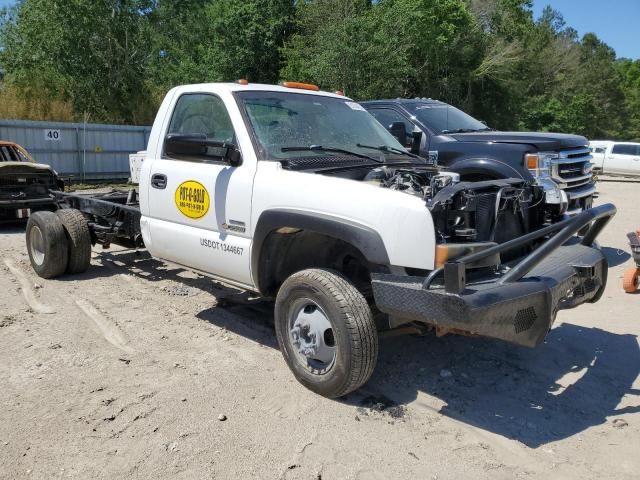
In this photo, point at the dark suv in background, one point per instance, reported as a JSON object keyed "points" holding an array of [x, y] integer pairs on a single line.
{"points": [[560, 163]]}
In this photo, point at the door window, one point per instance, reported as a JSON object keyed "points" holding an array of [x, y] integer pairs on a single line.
{"points": [[625, 149], [203, 114], [386, 117]]}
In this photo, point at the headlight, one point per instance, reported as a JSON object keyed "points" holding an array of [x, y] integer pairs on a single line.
{"points": [[539, 164]]}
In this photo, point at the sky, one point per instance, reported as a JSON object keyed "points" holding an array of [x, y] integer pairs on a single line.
{"points": [[617, 22]]}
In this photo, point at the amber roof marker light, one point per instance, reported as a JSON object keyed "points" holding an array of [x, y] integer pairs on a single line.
{"points": [[242, 81], [301, 86]]}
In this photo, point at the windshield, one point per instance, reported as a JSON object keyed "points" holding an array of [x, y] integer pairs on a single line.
{"points": [[282, 120], [9, 153], [444, 118]]}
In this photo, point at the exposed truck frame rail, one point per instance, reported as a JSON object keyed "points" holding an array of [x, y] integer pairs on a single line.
{"points": [[112, 217]]}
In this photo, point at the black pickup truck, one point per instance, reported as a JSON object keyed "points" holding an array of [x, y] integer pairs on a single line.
{"points": [[560, 163]]}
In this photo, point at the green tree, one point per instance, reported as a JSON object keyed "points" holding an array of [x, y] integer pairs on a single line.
{"points": [[629, 72], [89, 52], [223, 40]]}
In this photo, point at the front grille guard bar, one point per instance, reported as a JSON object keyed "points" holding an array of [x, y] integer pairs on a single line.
{"points": [[455, 271]]}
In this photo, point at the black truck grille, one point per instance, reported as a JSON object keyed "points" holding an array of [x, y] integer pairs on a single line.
{"points": [[26, 185]]}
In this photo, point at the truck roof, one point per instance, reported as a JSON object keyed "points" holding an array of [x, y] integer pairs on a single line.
{"points": [[256, 87], [404, 101]]}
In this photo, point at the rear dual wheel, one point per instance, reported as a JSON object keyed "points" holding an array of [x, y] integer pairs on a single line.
{"points": [[58, 242]]}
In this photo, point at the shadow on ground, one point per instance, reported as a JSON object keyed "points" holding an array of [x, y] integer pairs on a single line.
{"points": [[12, 226], [572, 382]]}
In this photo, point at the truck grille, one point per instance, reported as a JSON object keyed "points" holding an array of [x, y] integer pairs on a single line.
{"points": [[569, 170], [28, 185]]}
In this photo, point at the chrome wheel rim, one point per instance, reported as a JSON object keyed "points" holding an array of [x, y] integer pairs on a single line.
{"points": [[36, 240], [311, 336]]}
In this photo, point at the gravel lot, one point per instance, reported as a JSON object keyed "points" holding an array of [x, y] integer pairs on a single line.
{"points": [[137, 370]]}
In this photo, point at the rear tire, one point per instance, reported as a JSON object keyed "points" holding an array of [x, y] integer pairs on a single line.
{"points": [[47, 244], [631, 279], [322, 311], [78, 239]]}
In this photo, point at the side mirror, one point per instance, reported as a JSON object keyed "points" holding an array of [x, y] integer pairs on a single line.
{"points": [[416, 141], [197, 145], [399, 130]]}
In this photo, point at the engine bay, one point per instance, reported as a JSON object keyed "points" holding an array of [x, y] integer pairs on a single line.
{"points": [[465, 212]]}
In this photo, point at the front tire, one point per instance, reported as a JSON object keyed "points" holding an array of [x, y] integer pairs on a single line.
{"points": [[326, 332], [47, 244]]}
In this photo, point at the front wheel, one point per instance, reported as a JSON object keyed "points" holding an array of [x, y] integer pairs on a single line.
{"points": [[326, 332]]}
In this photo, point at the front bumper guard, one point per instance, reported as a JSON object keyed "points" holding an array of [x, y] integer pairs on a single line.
{"points": [[518, 306]]}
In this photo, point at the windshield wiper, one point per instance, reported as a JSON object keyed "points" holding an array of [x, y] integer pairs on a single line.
{"points": [[320, 148], [388, 149]]}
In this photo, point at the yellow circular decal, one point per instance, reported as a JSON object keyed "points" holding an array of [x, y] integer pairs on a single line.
{"points": [[192, 199]]}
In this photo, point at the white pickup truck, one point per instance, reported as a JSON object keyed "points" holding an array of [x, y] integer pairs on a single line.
{"points": [[303, 197], [615, 158]]}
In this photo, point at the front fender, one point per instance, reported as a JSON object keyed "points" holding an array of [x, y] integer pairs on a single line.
{"points": [[366, 240], [388, 227]]}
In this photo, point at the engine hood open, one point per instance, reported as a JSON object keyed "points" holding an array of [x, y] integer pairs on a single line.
{"points": [[541, 141]]}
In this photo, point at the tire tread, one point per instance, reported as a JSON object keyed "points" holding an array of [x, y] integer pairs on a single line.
{"points": [[360, 323], [79, 239]]}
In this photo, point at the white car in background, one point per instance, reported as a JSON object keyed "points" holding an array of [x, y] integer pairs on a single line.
{"points": [[615, 158]]}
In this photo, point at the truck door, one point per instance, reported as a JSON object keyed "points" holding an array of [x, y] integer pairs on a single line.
{"points": [[619, 158], [200, 206]]}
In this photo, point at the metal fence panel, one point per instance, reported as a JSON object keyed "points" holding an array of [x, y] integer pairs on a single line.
{"points": [[84, 151]]}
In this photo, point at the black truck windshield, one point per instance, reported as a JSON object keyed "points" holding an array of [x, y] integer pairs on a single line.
{"points": [[284, 123], [444, 118]]}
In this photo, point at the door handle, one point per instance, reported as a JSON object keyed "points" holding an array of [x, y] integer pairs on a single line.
{"points": [[159, 181]]}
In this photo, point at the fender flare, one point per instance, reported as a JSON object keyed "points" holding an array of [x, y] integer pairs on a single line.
{"points": [[487, 166], [366, 240]]}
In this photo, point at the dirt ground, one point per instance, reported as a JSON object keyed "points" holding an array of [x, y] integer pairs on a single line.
{"points": [[125, 371]]}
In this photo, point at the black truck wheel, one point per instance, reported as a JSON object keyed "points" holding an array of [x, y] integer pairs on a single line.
{"points": [[78, 239], [47, 244], [326, 332]]}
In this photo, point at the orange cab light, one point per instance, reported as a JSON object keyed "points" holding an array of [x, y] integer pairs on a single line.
{"points": [[243, 81], [303, 86], [532, 161]]}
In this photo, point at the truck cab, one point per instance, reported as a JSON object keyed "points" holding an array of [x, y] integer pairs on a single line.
{"points": [[560, 163]]}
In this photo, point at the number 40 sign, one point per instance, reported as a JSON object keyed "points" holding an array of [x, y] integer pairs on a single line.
{"points": [[52, 135]]}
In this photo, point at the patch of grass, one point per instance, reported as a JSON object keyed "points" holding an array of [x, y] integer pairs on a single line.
{"points": [[98, 185]]}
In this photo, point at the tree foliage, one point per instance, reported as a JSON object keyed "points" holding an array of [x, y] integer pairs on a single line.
{"points": [[114, 59]]}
